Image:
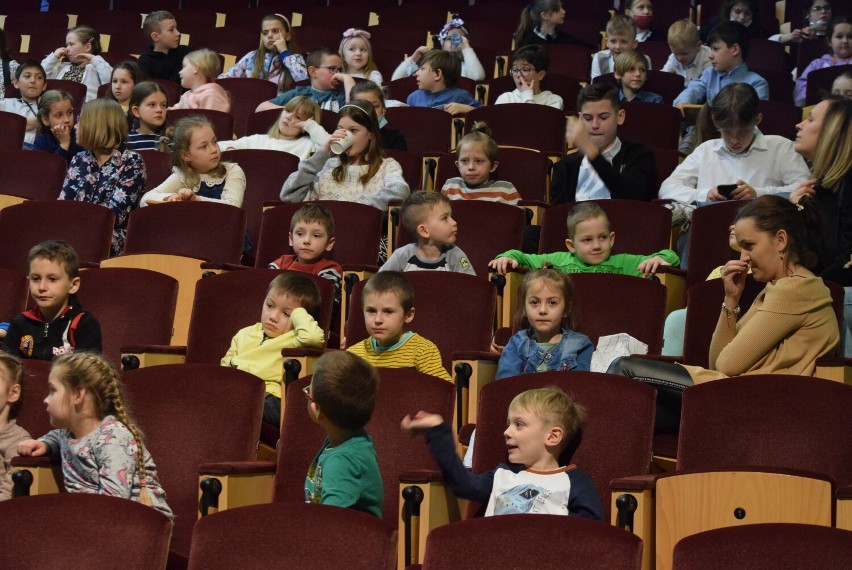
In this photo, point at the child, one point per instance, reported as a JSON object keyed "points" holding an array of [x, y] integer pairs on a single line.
{"points": [[84, 62], [125, 76], [455, 38], [358, 55], [197, 170], [689, 56], [341, 398], [428, 217], [728, 54], [148, 105], [620, 36], [198, 74], [58, 134], [631, 71], [817, 17], [163, 58], [840, 42], [589, 243], [11, 434], [311, 237], [541, 424], [370, 92], [56, 324], [605, 166], [358, 174], [758, 164], [642, 14], [476, 159], [102, 174], [329, 85], [843, 85], [388, 300], [436, 79], [277, 59], [296, 131], [286, 321], [8, 66], [744, 12], [529, 66], [538, 25], [100, 445], [30, 81]]}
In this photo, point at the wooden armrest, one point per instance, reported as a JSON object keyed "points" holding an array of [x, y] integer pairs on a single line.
{"points": [[301, 352], [89, 265], [844, 507], [420, 476], [537, 203], [140, 355], [356, 268], [29, 461], [666, 269], [158, 348], [637, 483], [212, 265], [237, 468], [270, 204]]}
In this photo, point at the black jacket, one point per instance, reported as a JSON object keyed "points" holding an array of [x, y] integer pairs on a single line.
{"points": [[835, 249], [29, 336], [159, 65]]}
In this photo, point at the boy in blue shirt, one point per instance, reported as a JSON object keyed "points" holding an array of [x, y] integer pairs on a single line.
{"points": [[329, 85], [438, 73]]}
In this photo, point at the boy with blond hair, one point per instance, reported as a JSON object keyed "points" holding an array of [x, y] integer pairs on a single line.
{"points": [[428, 217], [163, 58], [620, 36], [631, 71], [388, 300], [689, 57], [541, 422]]}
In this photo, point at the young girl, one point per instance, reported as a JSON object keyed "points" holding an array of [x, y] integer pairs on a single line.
{"points": [[198, 74], [642, 12], [125, 76], [358, 174], [840, 41], [84, 63], [538, 25], [746, 12], [103, 174], [817, 18], [198, 172], [453, 37], [7, 66], [277, 59], [544, 340], [296, 131], [11, 434], [146, 116], [357, 55], [476, 159], [101, 447], [373, 94], [58, 134]]}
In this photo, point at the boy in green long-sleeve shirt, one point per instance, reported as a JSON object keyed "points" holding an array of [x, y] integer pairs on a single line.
{"points": [[589, 245]]}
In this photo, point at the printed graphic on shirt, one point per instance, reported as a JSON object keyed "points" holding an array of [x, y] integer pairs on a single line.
{"points": [[522, 499], [313, 484], [26, 346]]}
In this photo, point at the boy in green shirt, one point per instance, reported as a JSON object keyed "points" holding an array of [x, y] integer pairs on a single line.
{"points": [[589, 245]]}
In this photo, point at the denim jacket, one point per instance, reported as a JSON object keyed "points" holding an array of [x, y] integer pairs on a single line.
{"points": [[523, 356]]}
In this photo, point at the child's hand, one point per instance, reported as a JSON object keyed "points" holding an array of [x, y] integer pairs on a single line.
{"points": [[418, 54], [281, 44], [62, 134], [182, 195], [32, 447], [337, 135], [420, 422], [681, 107], [59, 53], [503, 265], [527, 85], [464, 43], [806, 189], [457, 108], [743, 191], [82, 58], [650, 266], [339, 78], [577, 137]]}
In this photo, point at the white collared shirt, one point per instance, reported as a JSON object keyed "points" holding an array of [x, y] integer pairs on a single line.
{"points": [[691, 71], [589, 183]]}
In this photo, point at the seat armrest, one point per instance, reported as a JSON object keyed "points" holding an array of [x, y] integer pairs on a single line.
{"points": [[844, 507], [158, 348], [420, 476], [236, 484], [634, 484], [236, 468], [844, 492], [357, 268], [301, 352], [141, 355], [666, 269], [475, 355], [41, 461], [216, 266], [270, 204], [89, 264]]}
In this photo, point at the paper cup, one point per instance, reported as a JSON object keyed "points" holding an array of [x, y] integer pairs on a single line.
{"points": [[342, 145]]}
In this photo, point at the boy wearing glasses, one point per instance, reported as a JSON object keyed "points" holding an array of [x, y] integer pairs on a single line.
{"points": [[329, 85], [341, 398], [529, 66]]}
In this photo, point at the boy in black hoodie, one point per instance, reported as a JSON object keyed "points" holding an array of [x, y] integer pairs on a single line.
{"points": [[163, 57]]}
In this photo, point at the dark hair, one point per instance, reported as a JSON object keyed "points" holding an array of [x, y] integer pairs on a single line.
{"points": [[153, 20], [15, 369], [58, 251], [557, 278], [361, 112], [87, 35], [531, 16], [599, 92], [344, 388], [835, 21], [449, 64], [536, 55], [730, 33], [367, 86], [29, 64], [315, 58], [417, 207], [301, 287], [313, 212], [736, 105], [801, 221], [390, 282], [135, 72]]}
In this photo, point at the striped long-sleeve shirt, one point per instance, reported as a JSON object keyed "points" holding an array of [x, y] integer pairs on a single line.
{"points": [[413, 351]]}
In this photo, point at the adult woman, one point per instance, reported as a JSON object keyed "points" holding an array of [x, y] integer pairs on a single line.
{"points": [[788, 327]]}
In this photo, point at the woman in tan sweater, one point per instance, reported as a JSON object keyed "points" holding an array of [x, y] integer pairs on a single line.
{"points": [[788, 327]]}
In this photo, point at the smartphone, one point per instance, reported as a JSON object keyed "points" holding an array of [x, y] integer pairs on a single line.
{"points": [[726, 190]]}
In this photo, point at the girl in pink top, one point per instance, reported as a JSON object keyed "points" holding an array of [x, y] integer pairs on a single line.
{"points": [[198, 74]]}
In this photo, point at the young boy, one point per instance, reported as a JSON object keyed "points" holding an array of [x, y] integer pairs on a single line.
{"points": [[689, 57], [589, 246], [529, 66], [428, 217], [542, 422], [439, 71], [286, 321], [311, 237], [605, 166], [56, 324], [345, 472], [329, 85], [728, 53], [388, 300], [755, 163], [620, 36], [11, 434], [30, 81], [163, 58], [631, 71]]}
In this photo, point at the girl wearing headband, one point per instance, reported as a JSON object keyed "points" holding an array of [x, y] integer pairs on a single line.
{"points": [[357, 54], [452, 37]]}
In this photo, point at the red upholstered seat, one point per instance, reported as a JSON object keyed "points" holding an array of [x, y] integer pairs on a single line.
{"points": [[12, 130]]}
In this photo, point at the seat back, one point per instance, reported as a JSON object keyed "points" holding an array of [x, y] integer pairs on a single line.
{"points": [[820, 81], [426, 130], [14, 289], [86, 227], [401, 392], [223, 123], [603, 452], [780, 83], [138, 534], [32, 416], [572, 60], [412, 166], [18, 166], [246, 94], [76, 90], [543, 127], [666, 160], [158, 167], [779, 118], [260, 123], [193, 414], [651, 124], [12, 130], [708, 246]]}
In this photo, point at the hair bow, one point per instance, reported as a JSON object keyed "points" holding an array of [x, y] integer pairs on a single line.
{"points": [[455, 23], [356, 33]]}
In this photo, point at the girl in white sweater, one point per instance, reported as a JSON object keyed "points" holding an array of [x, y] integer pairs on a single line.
{"points": [[83, 62]]}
